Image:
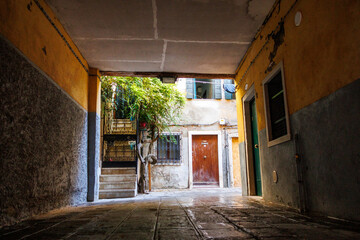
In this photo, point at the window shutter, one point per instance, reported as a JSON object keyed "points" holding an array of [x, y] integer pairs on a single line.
{"points": [[217, 88], [190, 88], [228, 96], [277, 107]]}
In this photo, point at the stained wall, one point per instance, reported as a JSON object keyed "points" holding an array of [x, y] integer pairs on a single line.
{"points": [[43, 113], [198, 115], [320, 59]]}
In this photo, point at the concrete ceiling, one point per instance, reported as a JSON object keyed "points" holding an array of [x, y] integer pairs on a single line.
{"points": [[182, 36]]}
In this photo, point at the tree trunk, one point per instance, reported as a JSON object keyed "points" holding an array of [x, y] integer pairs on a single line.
{"points": [[146, 155]]}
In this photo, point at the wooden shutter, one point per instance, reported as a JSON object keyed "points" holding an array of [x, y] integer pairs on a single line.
{"points": [[190, 88], [277, 107], [217, 88]]}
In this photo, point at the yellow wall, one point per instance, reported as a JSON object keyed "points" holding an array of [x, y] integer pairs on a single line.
{"points": [[30, 32], [239, 106], [236, 162], [319, 56], [94, 91]]}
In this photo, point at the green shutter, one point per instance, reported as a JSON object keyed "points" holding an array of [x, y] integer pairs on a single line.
{"points": [[217, 88], [190, 88], [228, 96]]}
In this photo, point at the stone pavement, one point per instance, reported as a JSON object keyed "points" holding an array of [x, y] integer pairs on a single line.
{"points": [[195, 214]]}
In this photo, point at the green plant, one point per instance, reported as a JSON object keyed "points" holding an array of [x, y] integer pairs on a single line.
{"points": [[147, 100]]}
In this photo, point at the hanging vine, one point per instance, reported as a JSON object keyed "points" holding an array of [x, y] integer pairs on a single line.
{"points": [[152, 103]]}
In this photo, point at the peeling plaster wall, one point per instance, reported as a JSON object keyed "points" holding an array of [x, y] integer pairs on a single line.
{"points": [[321, 73], [172, 176], [43, 141], [198, 111]]}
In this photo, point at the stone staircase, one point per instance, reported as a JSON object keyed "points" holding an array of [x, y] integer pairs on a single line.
{"points": [[117, 183]]}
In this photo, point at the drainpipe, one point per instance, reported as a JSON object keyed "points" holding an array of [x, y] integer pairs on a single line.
{"points": [[227, 158], [300, 175]]}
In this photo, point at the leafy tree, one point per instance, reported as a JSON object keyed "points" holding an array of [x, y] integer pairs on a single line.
{"points": [[151, 102]]}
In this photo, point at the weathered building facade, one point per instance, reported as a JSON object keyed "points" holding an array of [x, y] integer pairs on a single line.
{"points": [[211, 117], [310, 52]]}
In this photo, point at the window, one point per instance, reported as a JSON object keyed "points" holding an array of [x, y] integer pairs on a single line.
{"points": [[277, 120], [197, 88], [168, 149], [229, 85]]}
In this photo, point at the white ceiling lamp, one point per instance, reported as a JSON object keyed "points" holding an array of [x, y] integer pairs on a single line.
{"points": [[168, 79]]}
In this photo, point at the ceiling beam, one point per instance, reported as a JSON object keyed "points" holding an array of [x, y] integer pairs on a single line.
{"points": [[168, 74]]}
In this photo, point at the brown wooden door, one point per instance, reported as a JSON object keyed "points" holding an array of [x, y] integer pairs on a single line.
{"points": [[205, 160]]}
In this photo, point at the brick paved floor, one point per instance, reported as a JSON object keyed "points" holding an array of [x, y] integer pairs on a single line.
{"points": [[196, 214]]}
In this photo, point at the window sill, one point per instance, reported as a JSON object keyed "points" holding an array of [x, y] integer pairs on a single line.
{"points": [[168, 164], [279, 140]]}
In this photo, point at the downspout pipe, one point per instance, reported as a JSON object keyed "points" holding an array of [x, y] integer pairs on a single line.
{"points": [[226, 156], [300, 175]]}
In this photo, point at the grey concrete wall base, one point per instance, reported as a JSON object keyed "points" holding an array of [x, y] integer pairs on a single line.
{"points": [[93, 156], [43, 141], [279, 158], [329, 151], [244, 182], [329, 141]]}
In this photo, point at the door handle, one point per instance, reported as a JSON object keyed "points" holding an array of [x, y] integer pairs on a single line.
{"points": [[204, 156], [256, 146]]}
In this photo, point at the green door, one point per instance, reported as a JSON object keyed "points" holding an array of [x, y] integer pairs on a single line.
{"points": [[254, 131]]}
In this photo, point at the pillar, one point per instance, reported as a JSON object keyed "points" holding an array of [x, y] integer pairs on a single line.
{"points": [[93, 134]]}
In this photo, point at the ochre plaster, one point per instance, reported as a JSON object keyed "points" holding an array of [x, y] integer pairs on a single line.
{"points": [[94, 91], [26, 27], [320, 56]]}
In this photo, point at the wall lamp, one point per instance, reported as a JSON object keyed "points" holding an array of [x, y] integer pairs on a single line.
{"points": [[168, 79]]}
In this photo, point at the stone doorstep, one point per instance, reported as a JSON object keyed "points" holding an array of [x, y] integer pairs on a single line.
{"points": [[117, 178], [117, 193]]}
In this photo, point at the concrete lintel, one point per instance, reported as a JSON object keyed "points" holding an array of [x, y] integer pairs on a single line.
{"points": [[160, 74]]}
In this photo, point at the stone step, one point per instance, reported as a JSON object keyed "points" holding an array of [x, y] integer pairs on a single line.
{"points": [[117, 185], [118, 178], [117, 171], [124, 193]]}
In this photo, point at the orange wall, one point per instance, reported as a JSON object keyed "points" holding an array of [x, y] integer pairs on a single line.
{"points": [[94, 91], [319, 56], [30, 32]]}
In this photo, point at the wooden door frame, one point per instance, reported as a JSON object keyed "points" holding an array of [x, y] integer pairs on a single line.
{"points": [[250, 95], [218, 134]]}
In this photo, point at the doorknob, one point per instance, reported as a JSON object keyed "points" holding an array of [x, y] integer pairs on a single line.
{"points": [[204, 156], [256, 146]]}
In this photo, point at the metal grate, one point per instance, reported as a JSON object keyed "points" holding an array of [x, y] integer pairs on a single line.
{"points": [[119, 151], [168, 149]]}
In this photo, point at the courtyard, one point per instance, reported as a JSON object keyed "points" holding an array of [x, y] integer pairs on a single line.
{"points": [[211, 213]]}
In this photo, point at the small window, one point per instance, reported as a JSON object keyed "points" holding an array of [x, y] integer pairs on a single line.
{"points": [[168, 149], [197, 88], [277, 121], [229, 88]]}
